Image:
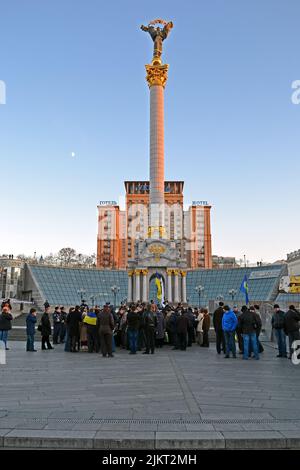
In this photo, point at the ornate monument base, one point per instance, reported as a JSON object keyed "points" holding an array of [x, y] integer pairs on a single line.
{"points": [[154, 257]]}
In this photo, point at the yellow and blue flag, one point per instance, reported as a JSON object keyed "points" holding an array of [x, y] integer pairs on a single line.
{"points": [[245, 288], [158, 288]]}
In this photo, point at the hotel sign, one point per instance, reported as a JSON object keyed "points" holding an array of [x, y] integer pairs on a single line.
{"points": [[108, 203], [200, 203]]}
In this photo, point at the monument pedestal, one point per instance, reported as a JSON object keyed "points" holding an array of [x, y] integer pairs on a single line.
{"points": [[154, 257]]}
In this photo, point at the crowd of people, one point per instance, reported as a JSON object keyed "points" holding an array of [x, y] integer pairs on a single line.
{"points": [[145, 327]]}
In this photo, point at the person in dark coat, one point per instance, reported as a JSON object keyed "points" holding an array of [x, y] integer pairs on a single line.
{"points": [[191, 326], [255, 308], [92, 326], [56, 324], [205, 328], [182, 325], [217, 322], [238, 329], [172, 325], [291, 327], [67, 347], [63, 320], [150, 325], [106, 327], [46, 329], [133, 325], [30, 329], [160, 329], [5, 324], [73, 320], [249, 323], [278, 323]]}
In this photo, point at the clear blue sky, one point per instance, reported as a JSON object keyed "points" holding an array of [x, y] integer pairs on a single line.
{"points": [[75, 78]]}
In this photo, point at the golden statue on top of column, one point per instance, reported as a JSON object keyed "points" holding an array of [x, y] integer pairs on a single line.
{"points": [[158, 35]]}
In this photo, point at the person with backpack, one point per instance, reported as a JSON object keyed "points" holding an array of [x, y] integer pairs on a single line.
{"points": [[278, 326]]}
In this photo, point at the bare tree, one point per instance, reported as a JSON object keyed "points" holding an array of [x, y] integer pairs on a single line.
{"points": [[66, 255]]}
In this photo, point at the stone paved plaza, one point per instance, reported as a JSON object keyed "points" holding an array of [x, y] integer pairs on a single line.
{"points": [[173, 399]]}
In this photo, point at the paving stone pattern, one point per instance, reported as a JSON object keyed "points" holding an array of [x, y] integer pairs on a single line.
{"points": [[170, 400]]}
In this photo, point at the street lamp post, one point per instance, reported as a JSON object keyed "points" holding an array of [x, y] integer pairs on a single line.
{"points": [[232, 293], [82, 293], [199, 289], [115, 290]]}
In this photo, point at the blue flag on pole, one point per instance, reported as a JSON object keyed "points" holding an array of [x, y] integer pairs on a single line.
{"points": [[245, 289]]}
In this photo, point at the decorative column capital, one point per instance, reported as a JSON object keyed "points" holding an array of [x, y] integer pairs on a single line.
{"points": [[157, 74], [130, 272], [176, 272], [183, 273], [169, 272], [144, 272], [137, 272]]}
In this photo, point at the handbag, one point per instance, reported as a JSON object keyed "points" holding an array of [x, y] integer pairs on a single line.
{"points": [[39, 327]]}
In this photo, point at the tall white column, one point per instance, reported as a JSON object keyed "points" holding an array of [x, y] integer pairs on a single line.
{"points": [[137, 286], [183, 286], [169, 293], [145, 285], [176, 286], [130, 290]]}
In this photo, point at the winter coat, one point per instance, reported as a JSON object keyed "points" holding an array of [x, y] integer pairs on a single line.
{"points": [[278, 320], [30, 324], [5, 321], [229, 321], [200, 323], [182, 324], [206, 322], [191, 319], [73, 320], [56, 317], [217, 318], [46, 325], [161, 325], [133, 320], [149, 319], [106, 322], [249, 322], [291, 321], [172, 322]]}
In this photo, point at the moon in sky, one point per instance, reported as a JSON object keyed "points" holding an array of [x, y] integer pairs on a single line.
{"points": [[72, 154]]}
